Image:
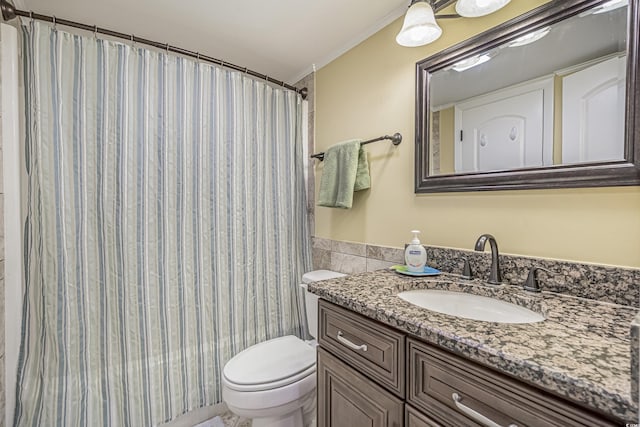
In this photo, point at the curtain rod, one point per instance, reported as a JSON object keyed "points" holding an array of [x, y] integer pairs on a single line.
{"points": [[396, 139], [9, 12]]}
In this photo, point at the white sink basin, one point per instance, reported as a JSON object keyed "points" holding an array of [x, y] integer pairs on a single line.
{"points": [[470, 306]]}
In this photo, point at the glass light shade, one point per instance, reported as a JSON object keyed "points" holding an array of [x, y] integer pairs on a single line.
{"points": [[419, 27], [475, 8]]}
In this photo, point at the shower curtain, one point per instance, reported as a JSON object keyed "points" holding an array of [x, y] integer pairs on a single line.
{"points": [[166, 229]]}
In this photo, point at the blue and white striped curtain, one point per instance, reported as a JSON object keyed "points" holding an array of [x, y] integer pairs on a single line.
{"points": [[166, 229]]}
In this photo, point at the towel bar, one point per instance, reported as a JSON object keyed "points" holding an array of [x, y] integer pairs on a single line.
{"points": [[396, 139]]}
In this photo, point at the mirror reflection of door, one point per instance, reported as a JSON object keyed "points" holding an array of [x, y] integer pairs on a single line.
{"points": [[502, 134], [506, 129], [593, 101]]}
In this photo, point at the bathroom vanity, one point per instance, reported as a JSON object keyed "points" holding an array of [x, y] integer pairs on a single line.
{"points": [[385, 362]]}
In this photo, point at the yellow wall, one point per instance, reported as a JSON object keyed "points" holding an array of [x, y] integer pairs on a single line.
{"points": [[369, 91], [447, 141]]}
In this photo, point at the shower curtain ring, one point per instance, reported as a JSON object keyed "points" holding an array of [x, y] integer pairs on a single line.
{"points": [[55, 23], [246, 70], [198, 56], [31, 15], [95, 32], [133, 40], [167, 48]]}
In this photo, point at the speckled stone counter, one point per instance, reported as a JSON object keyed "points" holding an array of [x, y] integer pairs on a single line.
{"points": [[581, 351]]}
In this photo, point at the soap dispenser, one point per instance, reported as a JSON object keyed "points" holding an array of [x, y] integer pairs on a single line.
{"points": [[415, 255]]}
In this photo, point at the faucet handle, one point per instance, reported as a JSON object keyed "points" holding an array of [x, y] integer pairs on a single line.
{"points": [[467, 272], [532, 284]]}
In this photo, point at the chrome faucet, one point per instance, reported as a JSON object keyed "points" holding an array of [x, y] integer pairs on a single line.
{"points": [[495, 278]]}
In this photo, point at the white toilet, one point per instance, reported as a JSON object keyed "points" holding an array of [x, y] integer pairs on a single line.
{"points": [[274, 382]]}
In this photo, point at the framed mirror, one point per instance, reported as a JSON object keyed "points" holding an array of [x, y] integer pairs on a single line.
{"points": [[549, 99]]}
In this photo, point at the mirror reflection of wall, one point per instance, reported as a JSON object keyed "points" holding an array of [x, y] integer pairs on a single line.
{"points": [[554, 96]]}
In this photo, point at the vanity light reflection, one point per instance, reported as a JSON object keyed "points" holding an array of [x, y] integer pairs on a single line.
{"points": [[474, 61], [529, 38], [609, 6]]}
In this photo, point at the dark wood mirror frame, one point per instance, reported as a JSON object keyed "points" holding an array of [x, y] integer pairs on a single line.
{"points": [[605, 174]]}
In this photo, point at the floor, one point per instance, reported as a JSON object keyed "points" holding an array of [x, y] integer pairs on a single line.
{"points": [[227, 419], [232, 420]]}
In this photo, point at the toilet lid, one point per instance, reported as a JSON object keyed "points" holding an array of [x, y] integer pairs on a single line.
{"points": [[281, 360]]}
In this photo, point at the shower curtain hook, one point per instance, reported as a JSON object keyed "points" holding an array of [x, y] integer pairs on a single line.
{"points": [[133, 40], [31, 15], [55, 24], [167, 48], [246, 71], [222, 63], [95, 32]]}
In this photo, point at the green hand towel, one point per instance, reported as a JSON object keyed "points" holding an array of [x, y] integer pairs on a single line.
{"points": [[363, 179], [345, 170]]}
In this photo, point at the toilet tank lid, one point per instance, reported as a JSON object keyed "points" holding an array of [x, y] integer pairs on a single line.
{"points": [[317, 275]]}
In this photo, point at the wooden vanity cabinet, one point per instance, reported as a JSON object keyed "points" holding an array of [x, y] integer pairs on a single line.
{"points": [[372, 375], [348, 398]]}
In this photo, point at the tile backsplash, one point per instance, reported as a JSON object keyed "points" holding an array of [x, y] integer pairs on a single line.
{"points": [[604, 283]]}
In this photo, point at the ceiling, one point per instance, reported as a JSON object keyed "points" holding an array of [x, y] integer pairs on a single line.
{"points": [[280, 38]]}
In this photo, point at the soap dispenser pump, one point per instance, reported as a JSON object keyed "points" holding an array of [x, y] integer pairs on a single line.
{"points": [[415, 255]]}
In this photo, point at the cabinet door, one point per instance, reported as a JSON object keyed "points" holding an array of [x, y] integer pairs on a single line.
{"points": [[414, 418], [373, 349], [348, 399]]}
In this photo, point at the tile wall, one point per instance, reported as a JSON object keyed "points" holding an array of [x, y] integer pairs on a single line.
{"points": [[351, 258]]}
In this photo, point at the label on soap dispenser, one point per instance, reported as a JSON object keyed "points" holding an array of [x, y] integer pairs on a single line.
{"points": [[415, 256]]}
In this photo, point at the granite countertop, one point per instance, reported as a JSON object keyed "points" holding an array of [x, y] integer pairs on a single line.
{"points": [[581, 351]]}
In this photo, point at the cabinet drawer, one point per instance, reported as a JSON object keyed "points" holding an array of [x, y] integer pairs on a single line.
{"points": [[348, 399], [374, 349], [438, 378]]}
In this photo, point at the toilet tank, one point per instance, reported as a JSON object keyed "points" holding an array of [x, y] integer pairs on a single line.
{"points": [[311, 300]]}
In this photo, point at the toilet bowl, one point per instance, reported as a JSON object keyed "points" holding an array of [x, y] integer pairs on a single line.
{"points": [[274, 382]]}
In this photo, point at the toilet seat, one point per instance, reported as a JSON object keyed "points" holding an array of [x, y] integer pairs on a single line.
{"points": [[270, 365]]}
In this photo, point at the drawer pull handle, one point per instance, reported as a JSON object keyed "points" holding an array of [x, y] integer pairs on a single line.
{"points": [[349, 344], [476, 416]]}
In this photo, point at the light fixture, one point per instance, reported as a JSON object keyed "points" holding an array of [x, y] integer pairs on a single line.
{"points": [[419, 27], [529, 38], [475, 8], [473, 61]]}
